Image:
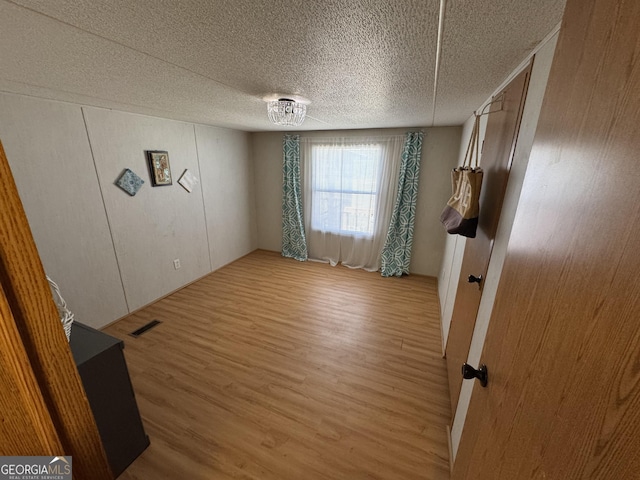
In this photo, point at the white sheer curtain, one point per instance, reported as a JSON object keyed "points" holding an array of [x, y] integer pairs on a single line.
{"points": [[349, 187]]}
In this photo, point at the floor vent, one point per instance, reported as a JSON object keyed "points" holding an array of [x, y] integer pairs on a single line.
{"points": [[145, 328]]}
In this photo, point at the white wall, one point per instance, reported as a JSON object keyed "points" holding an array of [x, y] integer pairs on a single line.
{"points": [[159, 224], [439, 155], [229, 197], [109, 252], [537, 85], [267, 163], [48, 150]]}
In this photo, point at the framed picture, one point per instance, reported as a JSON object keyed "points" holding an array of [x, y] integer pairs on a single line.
{"points": [[159, 167]]}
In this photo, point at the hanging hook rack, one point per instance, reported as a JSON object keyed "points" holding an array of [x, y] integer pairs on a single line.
{"points": [[499, 98]]}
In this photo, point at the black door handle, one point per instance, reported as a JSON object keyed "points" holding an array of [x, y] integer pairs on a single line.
{"points": [[482, 374]]}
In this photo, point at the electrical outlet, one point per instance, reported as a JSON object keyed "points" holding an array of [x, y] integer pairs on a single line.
{"points": [[176, 263]]}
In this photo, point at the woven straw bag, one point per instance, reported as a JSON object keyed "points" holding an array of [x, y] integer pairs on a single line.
{"points": [[66, 317]]}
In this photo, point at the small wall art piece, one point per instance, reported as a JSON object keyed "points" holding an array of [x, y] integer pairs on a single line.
{"points": [[188, 181], [159, 167], [129, 182]]}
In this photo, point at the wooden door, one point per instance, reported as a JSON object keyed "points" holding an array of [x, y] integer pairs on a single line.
{"points": [[24, 410], [499, 144], [43, 408], [563, 346]]}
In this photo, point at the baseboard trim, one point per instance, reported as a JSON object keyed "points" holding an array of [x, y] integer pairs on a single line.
{"points": [[110, 324]]}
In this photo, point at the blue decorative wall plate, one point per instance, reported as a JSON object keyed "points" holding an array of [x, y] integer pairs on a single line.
{"points": [[129, 182]]}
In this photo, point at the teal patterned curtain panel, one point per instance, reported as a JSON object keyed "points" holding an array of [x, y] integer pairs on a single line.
{"points": [[294, 243], [396, 253]]}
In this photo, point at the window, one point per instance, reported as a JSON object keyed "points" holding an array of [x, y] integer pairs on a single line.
{"points": [[349, 189], [345, 187]]}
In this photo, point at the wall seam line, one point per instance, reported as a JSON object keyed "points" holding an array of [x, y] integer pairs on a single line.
{"points": [[436, 73], [104, 206], [204, 205]]}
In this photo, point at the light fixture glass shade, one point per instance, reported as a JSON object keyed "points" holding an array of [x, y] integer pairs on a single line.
{"points": [[286, 112]]}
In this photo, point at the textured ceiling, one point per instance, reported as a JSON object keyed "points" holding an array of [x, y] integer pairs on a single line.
{"points": [[361, 63]]}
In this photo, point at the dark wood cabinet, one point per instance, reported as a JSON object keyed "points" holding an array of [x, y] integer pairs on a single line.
{"points": [[103, 370]]}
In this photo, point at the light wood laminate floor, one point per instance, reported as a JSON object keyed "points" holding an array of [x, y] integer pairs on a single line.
{"points": [[274, 369]]}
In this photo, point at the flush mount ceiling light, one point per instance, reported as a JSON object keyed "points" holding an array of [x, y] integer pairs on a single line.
{"points": [[285, 111]]}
